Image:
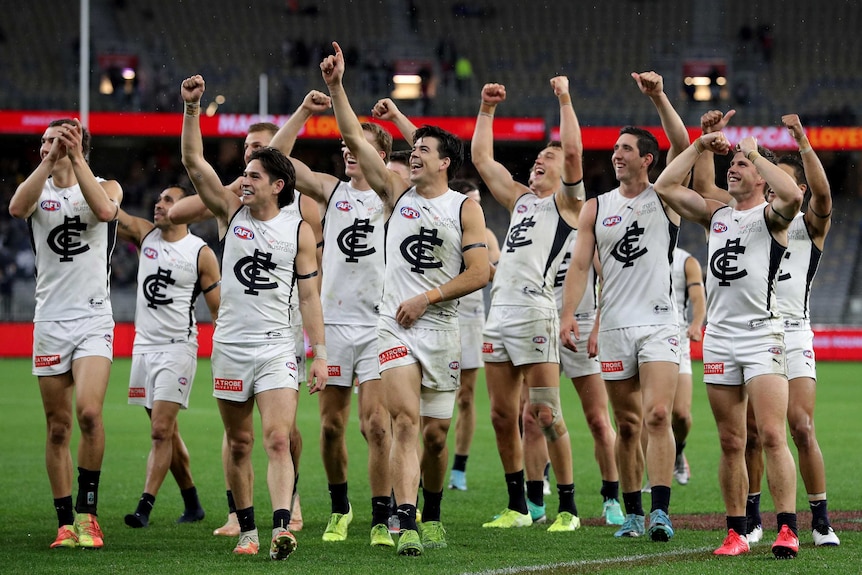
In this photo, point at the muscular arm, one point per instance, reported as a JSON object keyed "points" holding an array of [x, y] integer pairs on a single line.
{"points": [[493, 251], [575, 283], [209, 276], [495, 175], [685, 201], [697, 297], [652, 85], [189, 210], [704, 169], [385, 109], [570, 197], [309, 304], [818, 216], [23, 202], [132, 228]]}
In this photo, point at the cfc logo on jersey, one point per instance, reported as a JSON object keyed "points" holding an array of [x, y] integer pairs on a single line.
{"points": [[343, 205], [719, 228], [410, 213], [50, 205], [243, 233], [151, 253], [611, 221]]}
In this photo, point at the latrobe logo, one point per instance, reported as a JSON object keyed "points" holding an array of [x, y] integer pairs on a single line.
{"points": [[343, 205], [487, 347], [612, 366], [222, 384], [243, 233], [715, 368], [611, 221], [46, 360], [334, 370], [151, 253], [135, 392], [394, 353], [410, 213]]}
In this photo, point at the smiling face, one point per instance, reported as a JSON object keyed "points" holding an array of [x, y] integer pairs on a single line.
{"points": [[628, 164], [425, 160], [167, 199], [743, 178], [546, 171], [257, 191]]}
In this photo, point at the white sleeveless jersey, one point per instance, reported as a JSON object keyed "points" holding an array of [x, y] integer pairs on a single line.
{"points": [[743, 269], [73, 255], [635, 240], [797, 274], [258, 278], [587, 307], [471, 307], [530, 256], [353, 234], [423, 251], [167, 288], [680, 289], [293, 210]]}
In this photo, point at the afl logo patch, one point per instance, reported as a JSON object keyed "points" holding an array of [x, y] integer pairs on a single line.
{"points": [[521, 209], [454, 365], [50, 205], [673, 341], [151, 253], [775, 350], [540, 339], [719, 227], [291, 366], [343, 205], [808, 353], [183, 381], [410, 213], [611, 221], [243, 233]]}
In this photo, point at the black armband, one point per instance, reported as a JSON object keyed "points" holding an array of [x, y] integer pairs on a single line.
{"points": [[780, 215], [319, 244], [307, 276], [212, 287], [471, 246], [826, 217]]}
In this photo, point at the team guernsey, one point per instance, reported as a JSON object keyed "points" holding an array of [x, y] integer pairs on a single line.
{"points": [[635, 240], [680, 284], [258, 277], [797, 273], [535, 246], [353, 258], [423, 247], [586, 309], [167, 288], [744, 260], [73, 254]]}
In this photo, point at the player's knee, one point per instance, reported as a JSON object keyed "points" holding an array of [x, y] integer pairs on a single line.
{"points": [[547, 410]]}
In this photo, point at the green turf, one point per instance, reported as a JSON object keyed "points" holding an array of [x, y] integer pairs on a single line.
{"points": [[27, 520]]}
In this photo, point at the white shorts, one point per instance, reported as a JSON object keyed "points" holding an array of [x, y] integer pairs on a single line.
{"points": [[56, 344], [242, 371], [799, 347], [735, 359], [437, 351], [163, 376], [299, 347], [576, 364], [622, 350], [684, 353], [352, 353], [521, 335], [437, 404], [471, 345]]}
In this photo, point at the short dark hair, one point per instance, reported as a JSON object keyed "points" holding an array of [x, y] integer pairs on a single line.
{"points": [[263, 127], [796, 164], [278, 167], [647, 143], [382, 138], [448, 146], [186, 190], [400, 157], [85, 134], [463, 185]]}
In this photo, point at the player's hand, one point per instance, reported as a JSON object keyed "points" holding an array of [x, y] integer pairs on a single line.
{"points": [[716, 142], [316, 102], [332, 67], [715, 120], [71, 138], [410, 310], [560, 84], [650, 83], [318, 375], [493, 94], [192, 89], [694, 332], [385, 109], [794, 126], [570, 333]]}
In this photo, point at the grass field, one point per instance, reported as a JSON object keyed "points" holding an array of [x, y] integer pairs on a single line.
{"points": [[28, 522]]}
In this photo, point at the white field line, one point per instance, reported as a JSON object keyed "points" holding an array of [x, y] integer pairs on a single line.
{"points": [[606, 561]]}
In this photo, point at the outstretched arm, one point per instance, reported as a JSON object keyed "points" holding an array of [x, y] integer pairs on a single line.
{"points": [[788, 196], [220, 201], [819, 213], [132, 228], [572, 194], [386, 183], [23, 202], [385, 109], [704, 168], [652, 85], [495, 175]]}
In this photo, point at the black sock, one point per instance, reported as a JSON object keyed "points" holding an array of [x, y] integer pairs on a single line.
{"points": [[407, 517], [819, 513], [660, 498], [380, 511], [88, 491], [535, 492], [338, 496], [515, 486], [460, 463], [190, 498], [65, 513], [231, 504], [738, 524], [567, 498], [281, 519], [431, 509], [246, 518], [752, 511], [610, 490], [788, 519], [633, 503], [145, 505], [679, 447]]}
